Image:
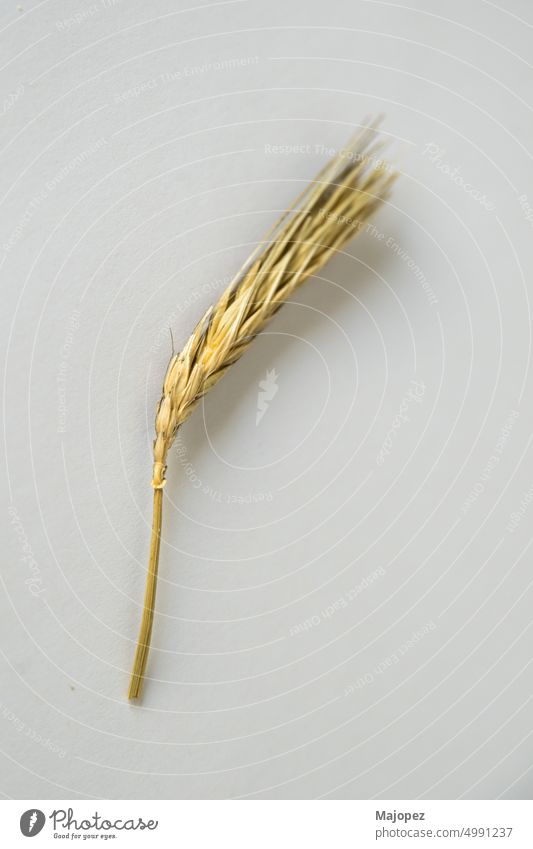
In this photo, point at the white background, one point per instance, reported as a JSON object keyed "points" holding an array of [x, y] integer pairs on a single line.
{"points": [[137, 173]]}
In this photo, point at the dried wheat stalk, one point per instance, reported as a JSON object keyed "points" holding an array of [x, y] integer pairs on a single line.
{"points": [[328, 213]]}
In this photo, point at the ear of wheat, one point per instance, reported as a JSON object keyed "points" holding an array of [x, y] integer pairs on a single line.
{"points": [[328, 213]]}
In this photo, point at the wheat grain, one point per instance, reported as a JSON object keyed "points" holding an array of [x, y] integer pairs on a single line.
{"points": [[323, 218]]}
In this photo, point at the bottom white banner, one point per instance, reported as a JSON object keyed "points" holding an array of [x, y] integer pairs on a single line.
{"points": [[269, 824]]}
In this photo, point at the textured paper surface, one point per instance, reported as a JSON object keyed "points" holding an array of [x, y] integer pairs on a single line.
{"points": [[344, 599]]}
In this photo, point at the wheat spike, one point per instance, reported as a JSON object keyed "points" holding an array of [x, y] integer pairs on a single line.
{"points": [[328, 213]]}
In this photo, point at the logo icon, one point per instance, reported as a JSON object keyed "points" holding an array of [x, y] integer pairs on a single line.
{"points": [[268, 388], [32, 822]]}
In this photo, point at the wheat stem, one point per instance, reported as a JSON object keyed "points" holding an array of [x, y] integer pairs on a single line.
{"points": [[145, 632]]}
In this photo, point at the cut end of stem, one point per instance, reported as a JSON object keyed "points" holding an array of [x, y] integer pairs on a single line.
{"points": [[135, 689]]}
